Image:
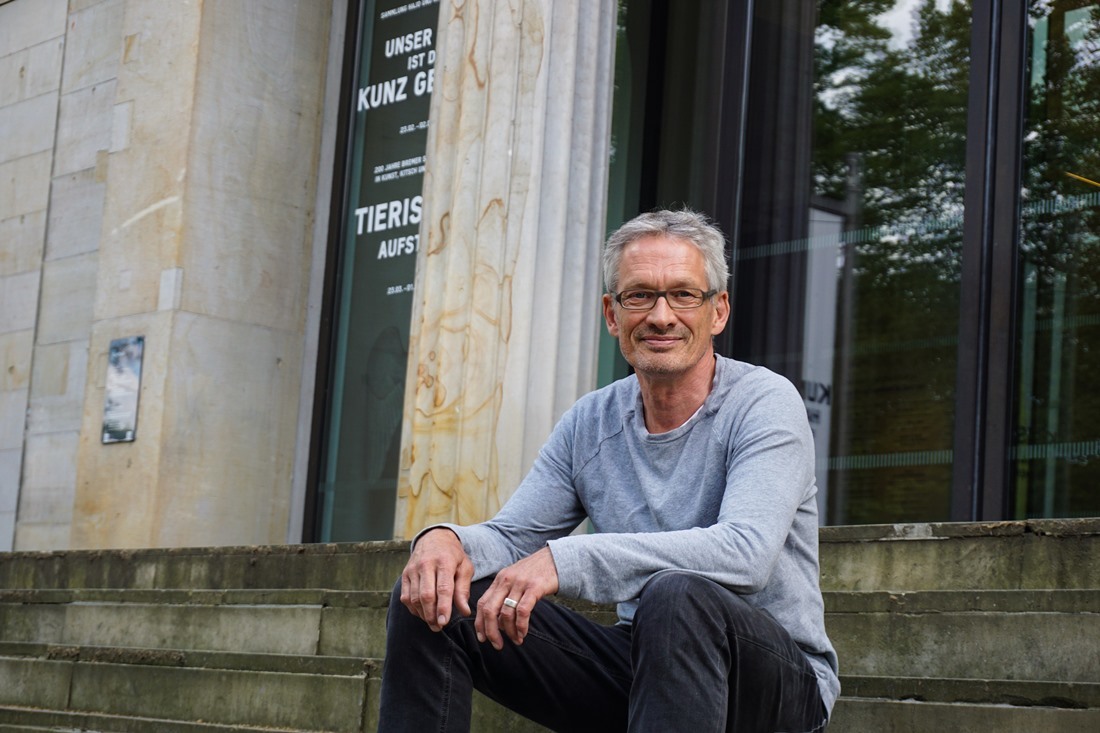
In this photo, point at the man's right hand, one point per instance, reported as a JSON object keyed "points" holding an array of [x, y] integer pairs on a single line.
{"points": [[437, 578]]}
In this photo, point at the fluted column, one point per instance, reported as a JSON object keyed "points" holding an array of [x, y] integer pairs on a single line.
{"points": [[506, 318]]}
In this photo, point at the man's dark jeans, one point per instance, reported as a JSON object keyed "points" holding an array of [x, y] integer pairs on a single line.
{"points": [[698, 658]]}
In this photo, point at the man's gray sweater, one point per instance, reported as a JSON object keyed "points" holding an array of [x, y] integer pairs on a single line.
{"points": [[730, 495]]}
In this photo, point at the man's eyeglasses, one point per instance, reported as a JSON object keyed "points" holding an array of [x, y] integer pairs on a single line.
{"points": [[679, 299]]}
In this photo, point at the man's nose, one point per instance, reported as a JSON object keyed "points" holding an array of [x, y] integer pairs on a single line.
{"points": [[661, 312]]}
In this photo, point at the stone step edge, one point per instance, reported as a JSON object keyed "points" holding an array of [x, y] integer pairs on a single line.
{"points": [[52, 720], [1048, 528], [199, 597], [918, 601], [376, 599], [1023, 600], [249, 551], [191, 659], [1017, 693]]}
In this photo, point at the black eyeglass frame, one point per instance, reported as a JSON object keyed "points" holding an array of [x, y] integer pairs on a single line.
{"points": [[704, 295]]}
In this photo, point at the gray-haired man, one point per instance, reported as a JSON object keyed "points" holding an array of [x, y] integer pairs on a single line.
{"points": [[697, 473]]}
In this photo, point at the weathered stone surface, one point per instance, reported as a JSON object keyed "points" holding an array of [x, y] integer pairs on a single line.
{"points": [[15, 359], [1007, 555], [13, 418], [22, 240], [243, 629], [7, 529], [93, 42], [84, 127], [351, 567], [317, 702], [861, 715], [34, 683], [25, 185], [49, 477], [28, 127], [209, 399], [11, 466], [1028, 693], [18, 301], [42, 623], [25, 24], [31, 72], [358, 632], [76, 214], [197, 224], [68, 292], [41, 535], [121, 516], [1013, 645]]}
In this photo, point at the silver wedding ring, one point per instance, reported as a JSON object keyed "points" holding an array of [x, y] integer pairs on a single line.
{"points": [[511, 603]]}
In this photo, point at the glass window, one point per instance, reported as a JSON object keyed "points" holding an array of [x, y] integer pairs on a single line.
{"points": [[1056, 447], [871, 251], [365, 389]]}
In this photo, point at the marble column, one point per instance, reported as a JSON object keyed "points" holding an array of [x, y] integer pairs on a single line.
{"points": [[506, 320]]}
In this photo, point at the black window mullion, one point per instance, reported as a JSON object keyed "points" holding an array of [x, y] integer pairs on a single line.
{"points": [[996, 499], [984, 404]]}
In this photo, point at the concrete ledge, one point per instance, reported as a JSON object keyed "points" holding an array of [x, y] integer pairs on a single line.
{"points": [[860, 715], [358, 566], [960, 601], [948, 530], [971, 645], [43, 675], [231, 661], [1080, 695], [24, 719], [300, 700], [1003, 555]]}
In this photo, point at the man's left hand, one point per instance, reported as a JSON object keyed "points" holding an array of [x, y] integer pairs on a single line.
{"points": [[525, 582]]}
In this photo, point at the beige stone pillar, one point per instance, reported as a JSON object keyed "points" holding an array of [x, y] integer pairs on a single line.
{"points": [[506, 319], [205, 250]]}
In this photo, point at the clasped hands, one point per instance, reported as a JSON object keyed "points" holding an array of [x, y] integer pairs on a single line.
{"points": [[436, 581]]}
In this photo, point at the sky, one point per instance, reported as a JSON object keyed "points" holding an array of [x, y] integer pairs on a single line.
{"points": [[899, 20]]}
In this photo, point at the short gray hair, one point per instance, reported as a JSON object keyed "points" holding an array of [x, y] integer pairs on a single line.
{"points": [[690, 226]]}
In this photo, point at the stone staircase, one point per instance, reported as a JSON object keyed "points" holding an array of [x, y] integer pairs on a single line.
{"points": [[965, 627], [939, 627]]}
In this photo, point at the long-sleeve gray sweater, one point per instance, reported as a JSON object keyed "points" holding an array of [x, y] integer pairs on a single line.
{"points": [[730, 495]]}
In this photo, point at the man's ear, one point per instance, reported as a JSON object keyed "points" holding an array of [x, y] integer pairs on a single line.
{"points": [[609, 315], [721, 313]]}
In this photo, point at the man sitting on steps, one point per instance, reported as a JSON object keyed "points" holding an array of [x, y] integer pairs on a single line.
{"points": [[697, 473]]}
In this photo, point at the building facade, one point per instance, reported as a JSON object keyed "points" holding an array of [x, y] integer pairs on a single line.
{"points": [[327, 270]]}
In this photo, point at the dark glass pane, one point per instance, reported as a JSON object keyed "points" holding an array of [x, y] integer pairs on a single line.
{"points": [[891, 81], [377, 265], [849, 269], [1056, 451]]}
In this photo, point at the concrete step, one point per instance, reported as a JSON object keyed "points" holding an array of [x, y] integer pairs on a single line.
{"points": [[30, 720], [945, 556], [916, 705], [1047, 553], [860, 715], [276, 691], [335, 623], [130, 690], [353, 567], [1010, 635], [1063, 695], [876, 633]]}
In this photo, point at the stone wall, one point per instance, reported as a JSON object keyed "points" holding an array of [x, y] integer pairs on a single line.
{"points": [[159, 176], [42, 152]]}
